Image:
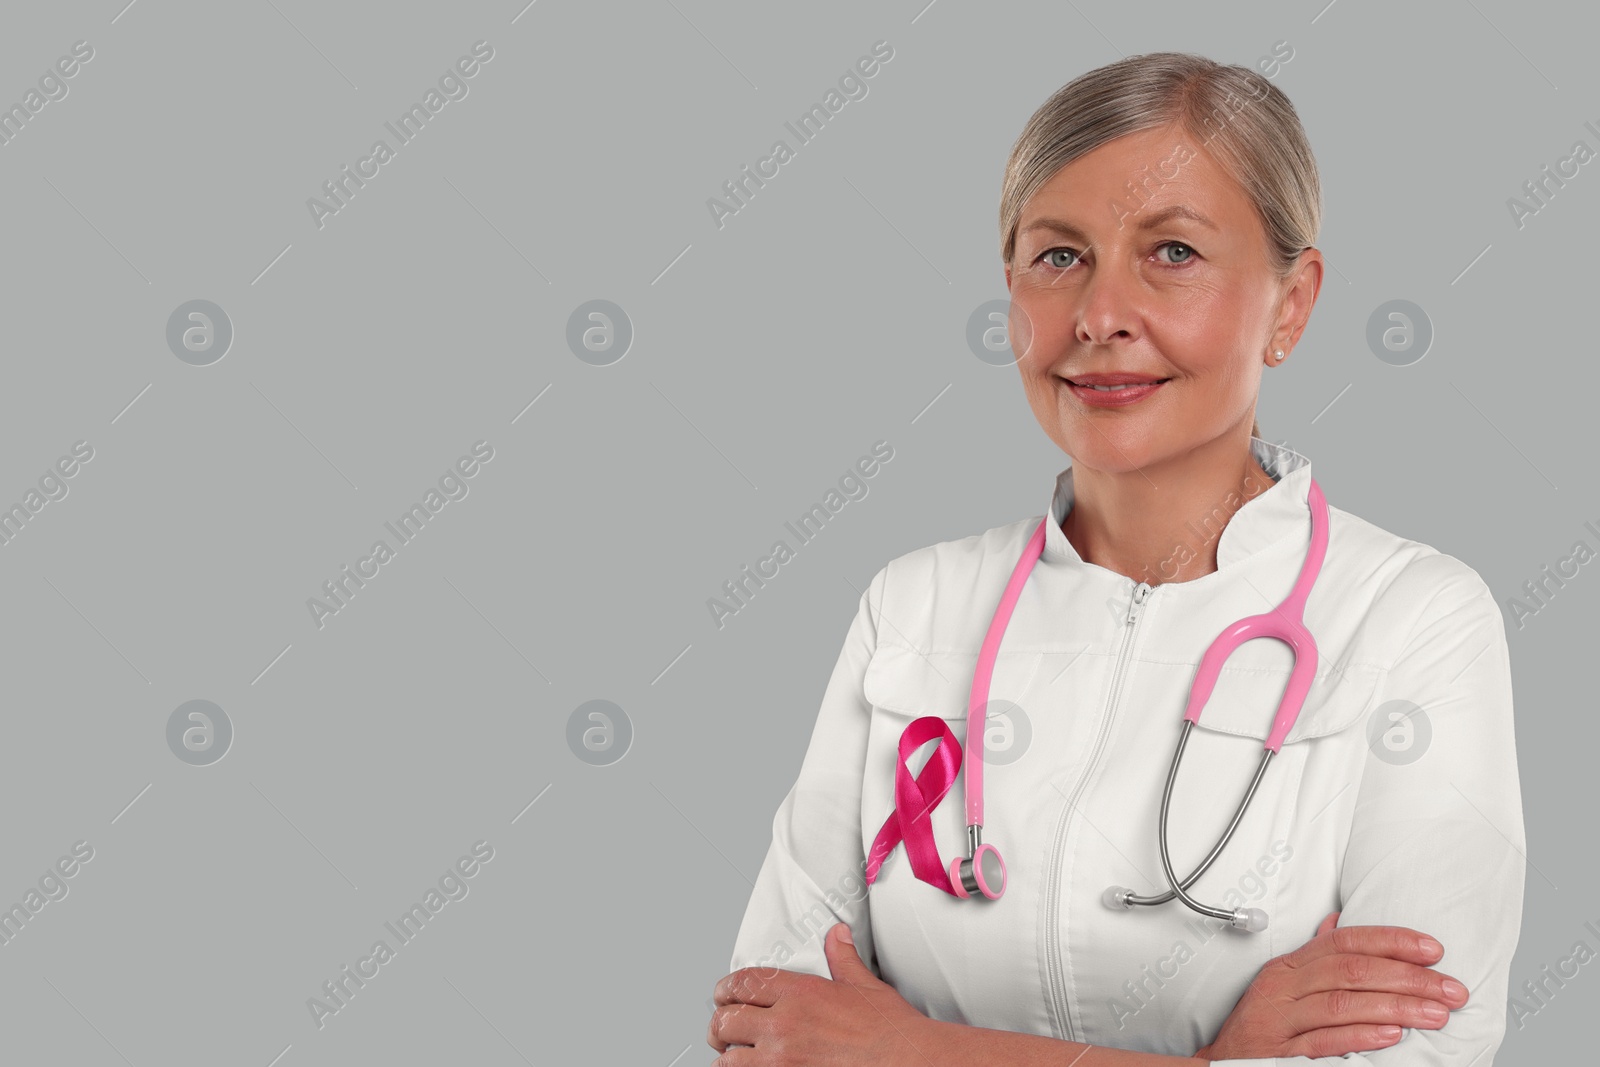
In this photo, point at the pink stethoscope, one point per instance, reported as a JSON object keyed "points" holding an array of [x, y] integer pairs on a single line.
{"points": [[982, 870]]}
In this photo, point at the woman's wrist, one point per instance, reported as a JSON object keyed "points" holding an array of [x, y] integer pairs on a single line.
{"points": [[960, 1045]]}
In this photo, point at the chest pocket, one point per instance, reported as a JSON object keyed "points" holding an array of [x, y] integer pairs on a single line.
{"points": [[903, 685], [1246, 698], [911, 684]]}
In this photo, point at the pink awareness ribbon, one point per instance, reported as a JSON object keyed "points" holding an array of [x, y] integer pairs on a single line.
{"points": [[914, 798]]}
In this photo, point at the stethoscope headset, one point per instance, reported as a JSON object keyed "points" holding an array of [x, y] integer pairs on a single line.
{"points": [[982, 871]]}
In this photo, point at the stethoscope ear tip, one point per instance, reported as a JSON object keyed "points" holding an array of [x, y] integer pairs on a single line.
{"points": [[1253, 920], [1116, 898]]}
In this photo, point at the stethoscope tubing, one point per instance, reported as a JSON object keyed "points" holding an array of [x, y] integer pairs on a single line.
{"points": [[982, 872], [1166, 802], [983, 673]]}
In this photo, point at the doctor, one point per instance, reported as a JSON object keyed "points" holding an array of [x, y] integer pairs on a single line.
{"points": [[1157, 221]]}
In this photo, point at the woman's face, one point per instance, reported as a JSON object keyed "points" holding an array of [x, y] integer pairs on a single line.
{"points": [[1109, 277]]}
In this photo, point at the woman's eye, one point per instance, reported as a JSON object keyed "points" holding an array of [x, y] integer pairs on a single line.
{"points": [[1187, 251], [1063, 258]]}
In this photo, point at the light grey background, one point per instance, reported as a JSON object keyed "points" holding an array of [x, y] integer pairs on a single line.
{"points": [[768, 355]]}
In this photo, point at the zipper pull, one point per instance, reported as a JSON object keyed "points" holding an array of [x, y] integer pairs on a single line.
{"points": [[1140, 593]]}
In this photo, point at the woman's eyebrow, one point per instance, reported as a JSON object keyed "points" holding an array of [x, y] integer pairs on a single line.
{"points": [[1146, 222]]}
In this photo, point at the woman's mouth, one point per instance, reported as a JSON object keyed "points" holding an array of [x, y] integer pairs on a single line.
{"points": [[1119, 395]]}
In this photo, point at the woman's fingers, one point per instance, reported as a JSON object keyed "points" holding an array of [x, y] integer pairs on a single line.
{"points": [[759, 986], [1345, 1007], [733, 1024], [1379, 974], [1395, 942], [1339, 1040]]}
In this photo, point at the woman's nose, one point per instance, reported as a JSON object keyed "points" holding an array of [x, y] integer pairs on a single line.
{"points": [[1109, 304]]}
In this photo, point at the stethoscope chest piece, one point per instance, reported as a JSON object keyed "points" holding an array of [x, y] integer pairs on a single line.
{"points": [[983, 872]]}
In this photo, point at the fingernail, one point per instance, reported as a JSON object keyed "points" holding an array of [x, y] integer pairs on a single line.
{"points": [[1436, 1013], [1454, 989], [1430, 946], [1389, 1033], [844, 934]]}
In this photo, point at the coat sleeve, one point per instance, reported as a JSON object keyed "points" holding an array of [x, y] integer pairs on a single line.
{"points": [[1437, 840], [814, 872]]}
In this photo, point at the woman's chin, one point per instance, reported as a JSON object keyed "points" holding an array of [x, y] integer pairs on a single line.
{"points": [[1116, 449]]}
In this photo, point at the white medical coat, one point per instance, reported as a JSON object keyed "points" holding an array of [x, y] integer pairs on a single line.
{"points": [[1390, 815]]}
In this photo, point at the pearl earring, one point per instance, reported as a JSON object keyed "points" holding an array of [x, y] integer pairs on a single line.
{"points": [[1278, 354]]}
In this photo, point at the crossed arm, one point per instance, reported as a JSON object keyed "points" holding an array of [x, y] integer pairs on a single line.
{"points": [[1411, 826], [1348, 989]]}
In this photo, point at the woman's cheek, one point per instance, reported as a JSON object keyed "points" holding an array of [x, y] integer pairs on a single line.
{"points": [[1019, 330]]}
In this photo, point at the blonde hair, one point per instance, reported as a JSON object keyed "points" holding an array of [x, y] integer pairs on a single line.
{"points": [[1240, 117]]}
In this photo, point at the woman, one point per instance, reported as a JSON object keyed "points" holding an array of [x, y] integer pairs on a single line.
{"points": [[1157, 222]]}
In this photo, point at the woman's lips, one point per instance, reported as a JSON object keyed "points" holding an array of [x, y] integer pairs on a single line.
{"points": [[1114, 398]]}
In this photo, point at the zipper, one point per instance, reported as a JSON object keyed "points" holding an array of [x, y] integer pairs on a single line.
{"points": [[1139, 596]]}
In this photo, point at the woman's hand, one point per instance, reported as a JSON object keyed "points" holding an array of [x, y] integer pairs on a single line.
{"points": [[857, 1018], [1348, 989]]}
